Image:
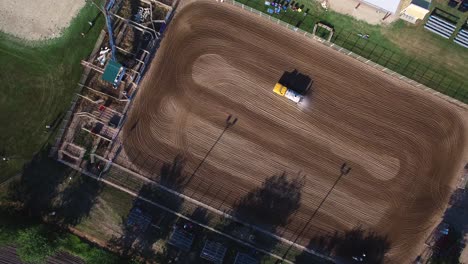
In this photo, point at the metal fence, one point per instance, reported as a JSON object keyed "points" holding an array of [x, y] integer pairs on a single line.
{"points": [[218, 197], [429, 73]]}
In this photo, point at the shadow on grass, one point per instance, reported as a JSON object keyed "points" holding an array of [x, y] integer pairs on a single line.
{"points": [[77, 200], [146, 223], [354, 246], [45, 191], [37, 187]]}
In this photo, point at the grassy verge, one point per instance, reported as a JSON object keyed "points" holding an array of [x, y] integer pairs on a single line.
{"points": [[35, 242], [407, 49], [106, 218], [38, 80]]}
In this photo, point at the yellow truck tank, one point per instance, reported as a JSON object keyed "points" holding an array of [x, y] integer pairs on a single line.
{"points": [[288, 93], [280, 89]]}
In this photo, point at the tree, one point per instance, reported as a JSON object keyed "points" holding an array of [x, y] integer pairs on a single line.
{"points": [[34, 245]]}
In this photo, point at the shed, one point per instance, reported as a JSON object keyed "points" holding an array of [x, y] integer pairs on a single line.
{"points": [[113, 72], [214, 252], [138, 220], [181, 239], [417, 10]]}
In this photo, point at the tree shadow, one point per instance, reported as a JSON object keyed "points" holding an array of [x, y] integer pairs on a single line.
{"points": [[272, 203], [37, 187], [139, 232], [353, 246], [45, 191], [172, 174], [268, 206], [137, 240], [77, 200], [201, 215], [450, 242], [457, 213]]}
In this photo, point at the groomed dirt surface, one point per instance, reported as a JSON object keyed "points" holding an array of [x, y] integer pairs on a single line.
{"points": [[405, 146], [37, 19]]}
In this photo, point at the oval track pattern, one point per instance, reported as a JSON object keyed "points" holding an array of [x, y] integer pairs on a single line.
{"points": [[404, 145]]}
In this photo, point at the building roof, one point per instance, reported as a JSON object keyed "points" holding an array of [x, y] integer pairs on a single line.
{"points": [[422, 3], [387, 5], [138, 220], [181, 239], [214, 252], [112, 71], [242, 258], [416, 12]]}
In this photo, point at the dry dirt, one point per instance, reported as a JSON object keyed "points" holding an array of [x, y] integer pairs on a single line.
{"points": [[37, 19], [405, 146], [364, 12]]}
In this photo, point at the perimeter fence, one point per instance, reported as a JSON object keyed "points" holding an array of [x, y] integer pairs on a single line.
{"points": [[393, 60], [218, 199]]}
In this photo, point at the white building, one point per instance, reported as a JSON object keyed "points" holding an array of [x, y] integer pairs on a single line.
{"points": [[417, 10], [387, 6]]}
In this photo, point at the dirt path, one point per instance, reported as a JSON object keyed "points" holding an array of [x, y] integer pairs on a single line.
{"points": [[405, 146], [364, 12], [37, 19]]}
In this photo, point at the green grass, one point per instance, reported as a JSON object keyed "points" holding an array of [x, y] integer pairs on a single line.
{"points": [[35, 241], [90, 254], [38, 80], [407, 49]]}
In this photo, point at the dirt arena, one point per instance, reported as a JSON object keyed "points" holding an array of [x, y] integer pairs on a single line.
{"points": [[37, 19], [405, 146]]}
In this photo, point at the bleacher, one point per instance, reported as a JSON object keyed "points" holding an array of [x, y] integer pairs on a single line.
{"points": [[462, 38], [440, 26]]}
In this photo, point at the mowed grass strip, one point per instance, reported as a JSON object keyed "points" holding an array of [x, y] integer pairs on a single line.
{"points": [[37, 83], [108, 214], [407, 49]]}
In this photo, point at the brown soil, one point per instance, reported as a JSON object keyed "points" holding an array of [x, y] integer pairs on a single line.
{"points": [[37, 20], [405, 146]]}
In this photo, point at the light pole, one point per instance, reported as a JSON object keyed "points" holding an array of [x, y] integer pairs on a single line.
{"points": [[230, 121], [345, 169]]}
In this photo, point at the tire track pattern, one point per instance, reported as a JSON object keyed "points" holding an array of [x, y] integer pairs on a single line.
{"points": [[404, 146]]}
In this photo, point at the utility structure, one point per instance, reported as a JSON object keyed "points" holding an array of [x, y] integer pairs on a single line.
{"points": [[230, 121], [344, 170], [293, 85], [114, 71]]}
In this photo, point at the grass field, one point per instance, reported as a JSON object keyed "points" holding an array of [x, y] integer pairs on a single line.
{"points": [[107, 214], [408, 49], [38, 81]]}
